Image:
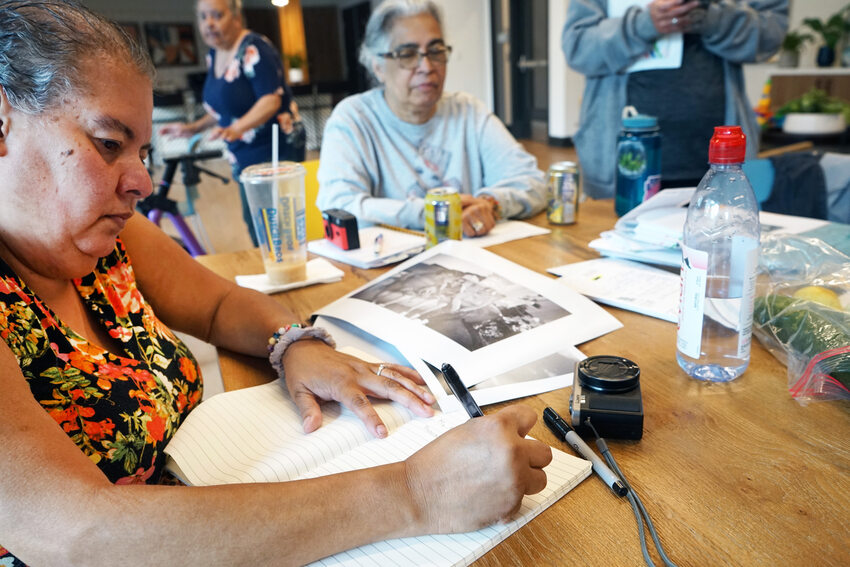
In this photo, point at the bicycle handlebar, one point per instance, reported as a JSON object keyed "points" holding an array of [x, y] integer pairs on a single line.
{"points": [[199, 156]]}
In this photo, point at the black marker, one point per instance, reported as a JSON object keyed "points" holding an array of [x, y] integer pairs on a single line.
{"points": [[564, 432], [459, 389]]}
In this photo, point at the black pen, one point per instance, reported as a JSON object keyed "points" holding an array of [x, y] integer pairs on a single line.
{"points": [[460, 390], [564, 432]]}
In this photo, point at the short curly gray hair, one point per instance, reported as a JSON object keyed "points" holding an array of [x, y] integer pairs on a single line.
{"points": [[45, 43], [377, 38]]}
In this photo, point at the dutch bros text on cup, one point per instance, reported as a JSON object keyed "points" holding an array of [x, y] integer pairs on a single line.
{"points": [[277, 202]]}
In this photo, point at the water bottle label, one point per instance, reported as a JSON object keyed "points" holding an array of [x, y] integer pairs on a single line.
{"points": [[651, 186], [692, 301], [745, 254]]}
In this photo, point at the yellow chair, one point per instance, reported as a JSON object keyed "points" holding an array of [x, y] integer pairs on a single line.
{"points": [[315, 228]]}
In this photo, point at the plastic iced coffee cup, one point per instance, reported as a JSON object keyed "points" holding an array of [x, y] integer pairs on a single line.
{"points": [[276, 199]]}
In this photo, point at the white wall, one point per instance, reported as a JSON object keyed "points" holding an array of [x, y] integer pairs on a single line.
{"points": [[467, 28], [565, 85]]}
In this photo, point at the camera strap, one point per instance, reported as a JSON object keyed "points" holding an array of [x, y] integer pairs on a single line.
{"points": [[641, 515]]}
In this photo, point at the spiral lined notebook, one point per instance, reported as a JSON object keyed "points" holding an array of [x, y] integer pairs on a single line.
{"points": [[254, 435]]}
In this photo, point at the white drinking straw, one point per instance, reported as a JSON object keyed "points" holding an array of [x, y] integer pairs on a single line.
{"points": [[274, 148]]}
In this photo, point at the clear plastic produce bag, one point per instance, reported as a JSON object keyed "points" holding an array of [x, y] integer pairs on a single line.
{"points": [[801, 314]]}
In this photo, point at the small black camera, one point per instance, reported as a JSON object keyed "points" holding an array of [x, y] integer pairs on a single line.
{"points": [[341, 228], [606, 390]]}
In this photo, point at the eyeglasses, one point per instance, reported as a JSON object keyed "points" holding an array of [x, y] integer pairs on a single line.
{"points": [[410, 57]]}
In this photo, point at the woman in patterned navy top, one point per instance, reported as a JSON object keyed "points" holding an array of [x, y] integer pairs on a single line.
{"points": [[93, 383], [244, 94]]}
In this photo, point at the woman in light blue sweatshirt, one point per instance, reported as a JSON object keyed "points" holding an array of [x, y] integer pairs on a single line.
{"points": [[383, 149]]}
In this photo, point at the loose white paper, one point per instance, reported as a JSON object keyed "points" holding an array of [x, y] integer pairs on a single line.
{"points": [[318, 271], [505, 231], [378, 247], [549, 373], [624, 284]]}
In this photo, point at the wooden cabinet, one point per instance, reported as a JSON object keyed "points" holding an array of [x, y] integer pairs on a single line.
{"points": [[791, 83]]}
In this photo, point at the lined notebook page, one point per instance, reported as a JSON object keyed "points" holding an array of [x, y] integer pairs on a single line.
{"points": [[255, 435], [563, 473]]}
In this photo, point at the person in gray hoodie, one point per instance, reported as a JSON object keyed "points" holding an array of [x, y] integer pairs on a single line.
{"points": [[706, 90]]}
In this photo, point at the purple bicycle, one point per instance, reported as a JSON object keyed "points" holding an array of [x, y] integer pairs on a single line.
{"points": [[159, 203]]}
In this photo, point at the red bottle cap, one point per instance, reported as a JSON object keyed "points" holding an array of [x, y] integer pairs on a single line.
{"points": [[728, 145]]}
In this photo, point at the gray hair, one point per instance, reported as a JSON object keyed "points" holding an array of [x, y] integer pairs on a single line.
{"points": [[235, 7], [44, 45], [381, 22]]}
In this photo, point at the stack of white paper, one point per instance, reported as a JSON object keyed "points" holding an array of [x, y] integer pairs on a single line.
{"points": [[652, 231]]}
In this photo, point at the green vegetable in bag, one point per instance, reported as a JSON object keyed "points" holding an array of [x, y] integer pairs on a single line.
{"points": [[805, 329]]}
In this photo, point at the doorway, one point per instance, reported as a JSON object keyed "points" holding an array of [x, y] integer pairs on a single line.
{"points": [[520, 63], [354, 19]]}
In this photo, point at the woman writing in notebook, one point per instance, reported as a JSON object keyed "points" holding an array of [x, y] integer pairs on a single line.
{"points": [[93, 383]]}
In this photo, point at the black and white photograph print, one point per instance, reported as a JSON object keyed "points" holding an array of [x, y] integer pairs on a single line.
{"points": [[473, 307]]}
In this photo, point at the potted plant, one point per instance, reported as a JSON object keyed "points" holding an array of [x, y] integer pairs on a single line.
{"points": [[831, 31], [789, 55], [814, 113], [296, 67]]}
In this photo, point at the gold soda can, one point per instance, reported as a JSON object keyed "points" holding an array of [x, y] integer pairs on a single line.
{"points": [[562, 185], [443, 215]]}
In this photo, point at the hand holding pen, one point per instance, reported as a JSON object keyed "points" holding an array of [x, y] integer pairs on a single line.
{"points": [[460, 391], [478, 473]]}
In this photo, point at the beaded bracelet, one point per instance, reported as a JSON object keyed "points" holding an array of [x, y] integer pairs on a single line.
{"points": [[285, 336]]}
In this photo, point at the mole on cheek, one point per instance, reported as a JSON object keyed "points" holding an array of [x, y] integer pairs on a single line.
{"points": [[67, 153]]}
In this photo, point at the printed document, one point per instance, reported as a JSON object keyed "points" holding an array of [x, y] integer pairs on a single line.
{"points": [[665, 53], [624, 284]]}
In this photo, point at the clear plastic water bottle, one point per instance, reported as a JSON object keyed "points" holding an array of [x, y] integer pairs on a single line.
{"points": [[720, 250]]}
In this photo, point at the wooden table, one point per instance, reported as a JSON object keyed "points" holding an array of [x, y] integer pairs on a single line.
{"points": [[732, 474]]}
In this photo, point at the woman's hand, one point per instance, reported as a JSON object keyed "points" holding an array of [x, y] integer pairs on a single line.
{"points": [[229, 134], [671, 16], [478, 473], [284, 120], [478, 215], [315, 372]]}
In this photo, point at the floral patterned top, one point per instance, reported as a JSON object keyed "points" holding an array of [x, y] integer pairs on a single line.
{"points": [[256, 71], [120, 411]]}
